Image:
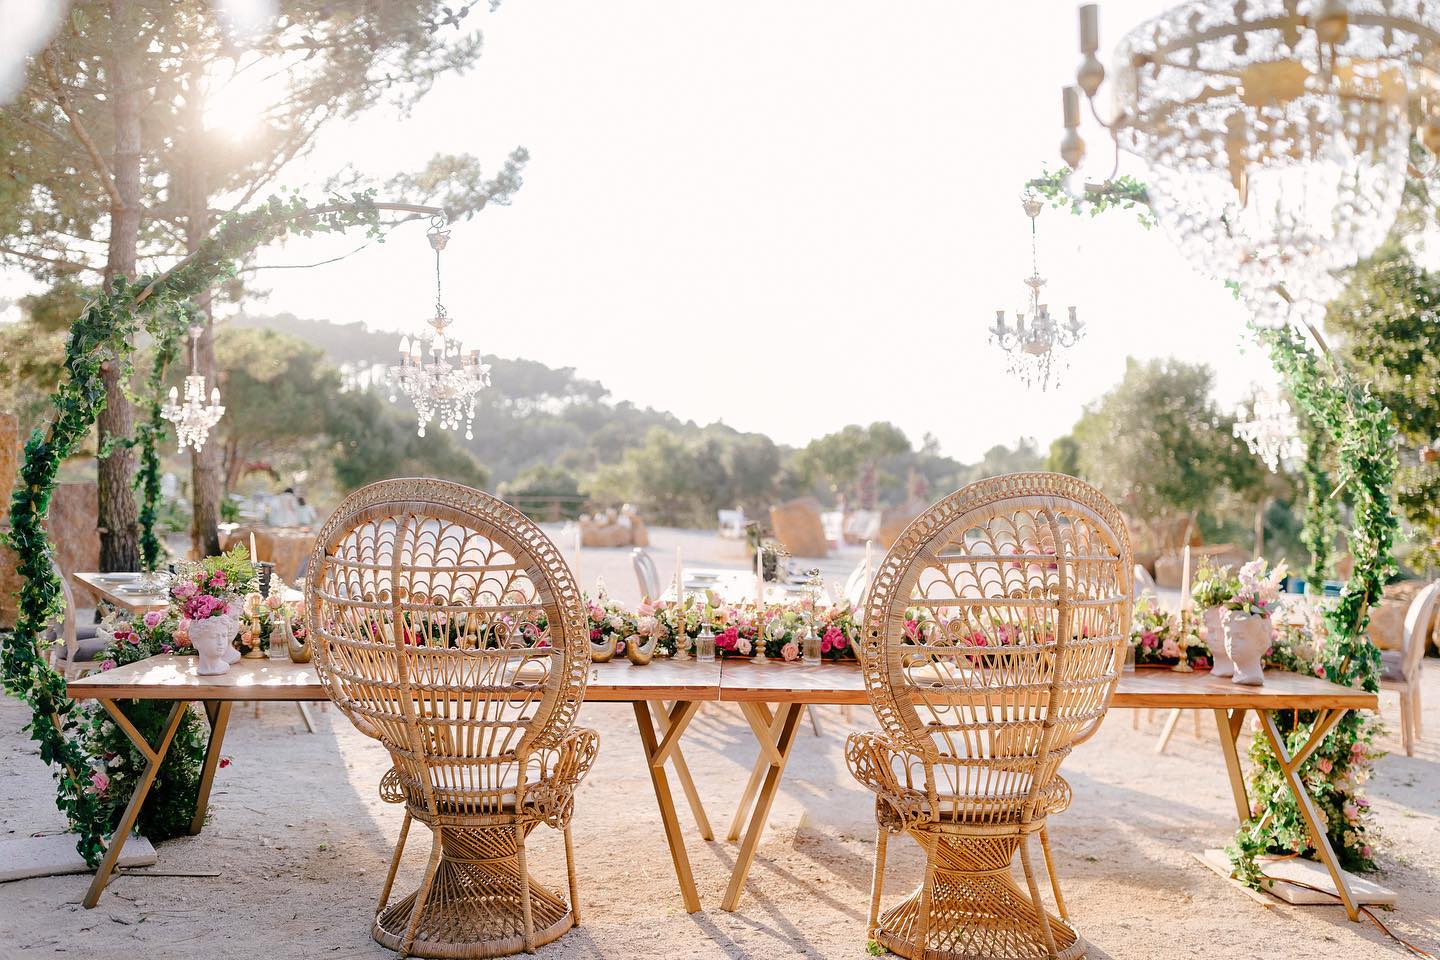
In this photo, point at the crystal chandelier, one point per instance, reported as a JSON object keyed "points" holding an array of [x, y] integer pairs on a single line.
{"points": [[1277, 133], [434, 371], [1269, 429], [193, 419], [1032, 349]]}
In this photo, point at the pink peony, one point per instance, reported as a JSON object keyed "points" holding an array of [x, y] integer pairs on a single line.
{"points": [[790, 651], [1170, 648], [107, 665], [727, 639], [153, 618]]}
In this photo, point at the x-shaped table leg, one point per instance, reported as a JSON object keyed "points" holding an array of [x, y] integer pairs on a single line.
{"points": [[657, 750], [1290, 767], [154, 756], [218, 712], [1230, 723], [774, 754]]}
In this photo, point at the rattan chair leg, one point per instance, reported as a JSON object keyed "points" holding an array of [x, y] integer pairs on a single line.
{"points": [[570, 872], [877, 883], [1050, 872], [526, 911], [1041, 919], [927, 897], [394, 864], [423, 894]]}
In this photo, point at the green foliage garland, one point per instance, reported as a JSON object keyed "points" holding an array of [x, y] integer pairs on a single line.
{"points": [[104, 333], [1364, 432], [1322, 512], [1120, 193], [151, 431]]}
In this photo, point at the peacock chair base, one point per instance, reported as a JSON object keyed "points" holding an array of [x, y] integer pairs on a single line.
{"points": [[971, 908], [968, 906], [475, 904]]}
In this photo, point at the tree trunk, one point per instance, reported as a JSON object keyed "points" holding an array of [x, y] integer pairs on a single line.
{"points": [[118, 516], [206, 477]]}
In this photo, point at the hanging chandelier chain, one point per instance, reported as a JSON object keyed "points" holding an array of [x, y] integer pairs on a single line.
{"points": [[441, 378]]}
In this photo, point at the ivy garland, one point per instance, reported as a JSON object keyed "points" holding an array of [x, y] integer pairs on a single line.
{"points": [[1120, 193], [104, 333], [151, 431], [1364, 432], [1322, 513]]}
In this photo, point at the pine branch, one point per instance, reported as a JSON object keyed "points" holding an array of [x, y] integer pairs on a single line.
{"points": [[62, 265], [62, 97]]}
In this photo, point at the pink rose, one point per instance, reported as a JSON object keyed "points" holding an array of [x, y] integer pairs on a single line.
{"points": [[184, 591], [153, 618], [99, 782], [1324, 765], [1319, 671], [728, 639], [1170, 648], [273, 601], [790, 651], [836, 638], [743, 647]]}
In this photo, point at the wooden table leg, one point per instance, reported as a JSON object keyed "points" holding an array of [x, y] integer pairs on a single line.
{"points": [[687, 783], [1230, 723], [154, 756], [766, 729], [663, 796], [1290, 767], [789, 725], [218, 711]]}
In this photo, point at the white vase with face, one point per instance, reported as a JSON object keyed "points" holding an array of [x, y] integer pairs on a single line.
{"points": [[1214, 620], [212, 638], [1247, 637]]}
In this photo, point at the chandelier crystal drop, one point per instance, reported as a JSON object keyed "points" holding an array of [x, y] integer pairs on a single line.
{"points": [[1269, 429], [1032, 349], [193, 418], [435, 372], [1277, 133]]}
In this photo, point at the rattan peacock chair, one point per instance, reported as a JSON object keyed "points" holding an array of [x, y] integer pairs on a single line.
{"points": [[447, 626], [993, 639]]}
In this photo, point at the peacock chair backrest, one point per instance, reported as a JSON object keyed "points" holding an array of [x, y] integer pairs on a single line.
{"points": [[448, 626], [993, 640]]}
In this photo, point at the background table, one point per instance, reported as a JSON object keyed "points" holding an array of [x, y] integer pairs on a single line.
{"points": [[118, 590]]}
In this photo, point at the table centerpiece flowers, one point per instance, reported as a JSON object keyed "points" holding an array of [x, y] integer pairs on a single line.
{"points": [[209, 598], [1247, 620], [1164, 639], [1212, 588]]}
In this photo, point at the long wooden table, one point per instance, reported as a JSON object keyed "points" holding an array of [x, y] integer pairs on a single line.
{"points": [[772, 697]]}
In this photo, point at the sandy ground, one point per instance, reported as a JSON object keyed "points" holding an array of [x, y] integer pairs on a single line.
{"points": [[301, 842]]}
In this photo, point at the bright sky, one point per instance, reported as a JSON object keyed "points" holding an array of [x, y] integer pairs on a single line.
{"points": [[787, 216]]}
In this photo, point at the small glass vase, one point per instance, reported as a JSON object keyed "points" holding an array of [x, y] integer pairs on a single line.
{"points": [[705, 645], [810, 647], [280, 637]]}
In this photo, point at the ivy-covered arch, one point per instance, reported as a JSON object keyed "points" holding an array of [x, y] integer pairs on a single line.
{"points": [[105, 333]]}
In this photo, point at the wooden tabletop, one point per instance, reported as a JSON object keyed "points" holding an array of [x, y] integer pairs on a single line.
{"points": [[173, 677], [170, 677]]}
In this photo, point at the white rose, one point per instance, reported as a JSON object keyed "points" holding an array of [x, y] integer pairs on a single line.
{"points": [[616, 623]]}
